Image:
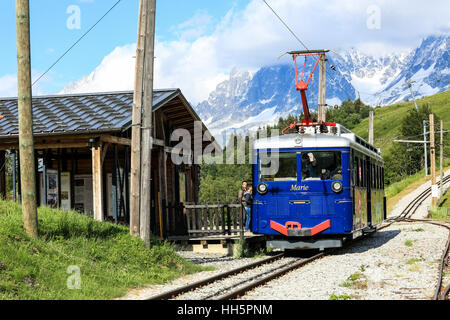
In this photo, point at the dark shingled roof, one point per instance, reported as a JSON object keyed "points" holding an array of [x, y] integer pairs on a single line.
{"points": [[78, 112]]}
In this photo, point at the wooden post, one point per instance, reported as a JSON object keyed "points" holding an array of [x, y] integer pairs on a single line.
{"points": [[441, 159], [26, 143], [14, 179], [434, 190], [97, 182], [2, 174], [322, 88], [146, 133], [114, 183], [425, 146], [135, 179], [160, 216], [44, 179], [371, 136]]}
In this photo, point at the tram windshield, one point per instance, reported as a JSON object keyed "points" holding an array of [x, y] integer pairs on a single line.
{"points": [[321, 165], [280, 166]]}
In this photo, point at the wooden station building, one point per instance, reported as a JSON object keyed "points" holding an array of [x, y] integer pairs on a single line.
{"points": [[82, 149]]}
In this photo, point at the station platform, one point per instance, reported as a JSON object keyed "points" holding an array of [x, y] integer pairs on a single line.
{"points": [[218, 243]]}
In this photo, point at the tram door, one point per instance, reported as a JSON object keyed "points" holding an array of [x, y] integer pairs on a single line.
{"points": [[369, 190], [360, 190]]}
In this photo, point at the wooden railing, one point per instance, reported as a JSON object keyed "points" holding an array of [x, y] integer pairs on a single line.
{"points": [[213, 219]]}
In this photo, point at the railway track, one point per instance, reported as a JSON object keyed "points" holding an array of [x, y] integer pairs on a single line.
{"points": [[441, 293], [235, 283]]}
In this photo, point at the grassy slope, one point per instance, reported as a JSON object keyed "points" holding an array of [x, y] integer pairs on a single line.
{"points": [[387, 122], [399, 189], [110, 260], [387, 119]]}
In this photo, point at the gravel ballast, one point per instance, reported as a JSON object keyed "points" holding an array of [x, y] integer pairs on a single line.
{"points": [[398, 262]]}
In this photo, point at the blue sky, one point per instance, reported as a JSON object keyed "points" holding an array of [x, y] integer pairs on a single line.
{"points": [[50, 36], [198, 42]]}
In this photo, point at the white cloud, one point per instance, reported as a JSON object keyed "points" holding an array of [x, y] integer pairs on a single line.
{"points": [[8, 85], [115, 73], [254, 37]]}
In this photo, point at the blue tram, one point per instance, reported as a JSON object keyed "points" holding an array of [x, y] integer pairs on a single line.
{"points": [[316, 190]]}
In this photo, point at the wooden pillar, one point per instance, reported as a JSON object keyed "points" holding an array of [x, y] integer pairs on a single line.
{"points": [[19, 179], [114, 185], [371, 136], [44, 179], [25, 115], [14, 171], [59, 168], [434, 187], [135, 165], [37, 187], [2, 175], [97, 183]]}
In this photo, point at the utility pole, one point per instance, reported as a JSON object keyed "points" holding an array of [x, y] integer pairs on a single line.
{"points": [[322, 88], [135, 179], [409, 84], [434, 190], [24, 97], [441, 159], [425, 146], [371, 138], [146, 139]]}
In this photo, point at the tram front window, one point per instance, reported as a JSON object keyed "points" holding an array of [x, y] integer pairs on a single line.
{"points": [[321, 165], [278, 166]]}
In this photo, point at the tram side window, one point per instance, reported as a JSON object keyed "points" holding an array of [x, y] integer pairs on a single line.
{"points": [[373, 176], [364, 173], [321, 165], [278, 166], [376, 177], [379, 177], [354, 171]]}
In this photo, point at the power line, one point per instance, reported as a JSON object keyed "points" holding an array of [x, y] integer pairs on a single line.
{"points": [[292, 32], [304, 45], [76, 42]]}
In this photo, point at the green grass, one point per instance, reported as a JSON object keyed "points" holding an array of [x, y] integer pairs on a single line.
{"points": [[387, 119], [356, 280], [340, 297], [397, 187], [397, 190], [413, 260], [440, 213], [444, 202], [408, 243], [109, 259]]}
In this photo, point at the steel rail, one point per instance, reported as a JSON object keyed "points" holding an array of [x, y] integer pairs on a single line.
{"points": [[412, 206], [242, 290], [192, 286], [406, 214]]}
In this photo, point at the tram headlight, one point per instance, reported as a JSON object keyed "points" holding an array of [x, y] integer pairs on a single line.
{"points": [[262, 188], [336, 186]]}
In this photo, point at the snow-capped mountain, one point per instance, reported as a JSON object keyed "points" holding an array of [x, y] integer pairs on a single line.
{"points": [[428, 66], [247, 100]]}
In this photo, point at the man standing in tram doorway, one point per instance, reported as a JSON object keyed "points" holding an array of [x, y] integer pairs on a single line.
{"points": [[241, 192]]}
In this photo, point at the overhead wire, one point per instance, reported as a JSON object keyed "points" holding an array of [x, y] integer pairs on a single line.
{"points": [[304, 45], [75, 43]]}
